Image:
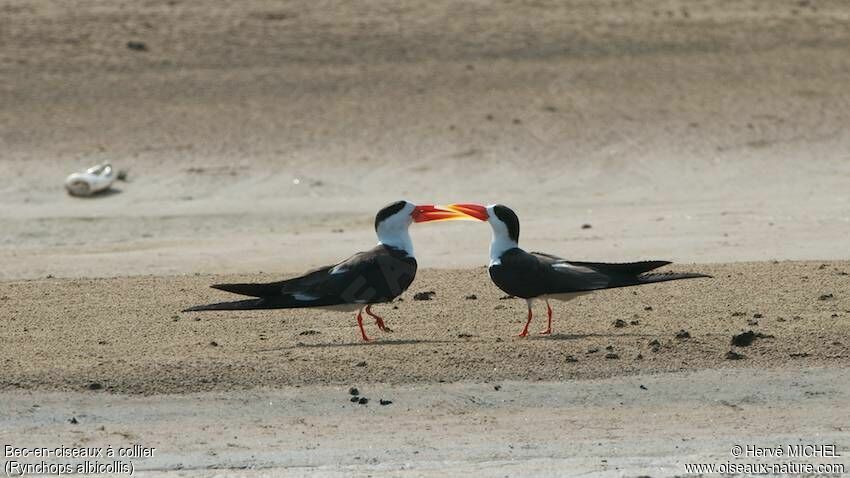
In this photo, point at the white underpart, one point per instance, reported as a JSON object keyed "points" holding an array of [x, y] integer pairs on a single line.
{"points": [[567, 296], [394, 230], [501, 240]]}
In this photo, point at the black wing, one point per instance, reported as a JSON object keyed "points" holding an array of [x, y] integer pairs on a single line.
{"points": [[377, 275]]}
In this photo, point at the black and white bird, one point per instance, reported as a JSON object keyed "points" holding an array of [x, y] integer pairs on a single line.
{"points": [[375, 276], [532, 275]]}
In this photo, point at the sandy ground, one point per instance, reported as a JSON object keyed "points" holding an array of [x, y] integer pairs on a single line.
{"points": [[128, 336], [261, 137]]}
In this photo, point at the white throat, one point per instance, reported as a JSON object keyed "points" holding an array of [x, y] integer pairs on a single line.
{"points": [[399, 239], [501, 241], [393, 231]]}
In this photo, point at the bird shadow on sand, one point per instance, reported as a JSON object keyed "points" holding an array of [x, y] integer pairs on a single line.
{"points": [[585, 336], [371, 343]]}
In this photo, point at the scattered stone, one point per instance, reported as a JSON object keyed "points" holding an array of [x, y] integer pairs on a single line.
{"points": [[639, 356], [745, 339], [571, 359], [648, 307], [385, 402], [609, 348], [634, 322], [471, 297], [797, 317], [506, 297], [592, 351], [612, 356], [363, 401], [643, 387], [360, 364], [752, 322], [310, 332], [95, 386], [499, 307], [825, 297], [732, 355], [586, 226], [213, 344], [757, 316], [465, 336], [137, 46], [780, 319], [655, 345], [833, 316], [619, 323], [497, 387], [737, 314], [798, 355], [489, 117], [683, 334], [355, 399], [353, 391], [73, 421], [427, 295]]}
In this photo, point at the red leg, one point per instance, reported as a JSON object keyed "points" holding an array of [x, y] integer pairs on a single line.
{"points": [[360, 324], [548, 327], [524, 332], [378, 319]]}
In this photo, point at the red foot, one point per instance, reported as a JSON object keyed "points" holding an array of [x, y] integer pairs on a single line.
{"points": [[360, 324], [524, 332], [548, 330], [378, 320]]}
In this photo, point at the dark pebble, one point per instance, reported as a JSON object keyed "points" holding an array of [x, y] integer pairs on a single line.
{"points": [[385, 402], [471, 297], [355, 399], [464, 336], [648, 307], [506, 297], [612, 355], [137, 46], [643, 387], [619, 323], [353, 391], [427, 295], [95, 386], [310, 332], [497, 387], [744, 339], [213, 344], [825, 297], [757, 316], [363, 401], [73, 421], [683, 334], [732, 355], [571, 359], [360, 364], [586, 226], [592, 351]]}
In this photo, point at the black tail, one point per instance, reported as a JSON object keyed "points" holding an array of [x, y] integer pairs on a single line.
{"points": [[235, 305], [665, 276], [623, 269], [252, 290]]}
